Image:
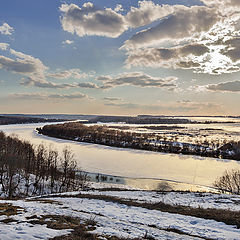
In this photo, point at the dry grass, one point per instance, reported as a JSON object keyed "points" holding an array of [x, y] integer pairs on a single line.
{"points": [[43, 201], [8, 220], [9, 210], [57, 222]]}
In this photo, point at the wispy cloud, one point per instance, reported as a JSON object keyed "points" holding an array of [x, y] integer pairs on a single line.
{"points": [[231, 87], [178, 106], [112, 99], [70, 73], [138, 79], [43, 96], [35, 73]]}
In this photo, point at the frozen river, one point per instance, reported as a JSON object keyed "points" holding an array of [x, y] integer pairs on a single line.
{"points": [[132, 163]]}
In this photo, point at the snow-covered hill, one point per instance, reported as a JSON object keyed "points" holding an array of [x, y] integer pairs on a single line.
{"points": [[126, 214]]}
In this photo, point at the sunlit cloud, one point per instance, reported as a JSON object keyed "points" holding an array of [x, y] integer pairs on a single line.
{"points": [[92, 20], [215, 26], [186, 56], [196, 20], [5, 29]]}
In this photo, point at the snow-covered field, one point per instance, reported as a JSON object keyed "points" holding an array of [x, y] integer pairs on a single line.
{"points": [[118, 219], [195, 200]]}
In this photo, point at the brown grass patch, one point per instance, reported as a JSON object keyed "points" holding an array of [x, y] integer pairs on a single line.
{"points": [[8, 220], [43, 201], [57, 222], [9, 210]]}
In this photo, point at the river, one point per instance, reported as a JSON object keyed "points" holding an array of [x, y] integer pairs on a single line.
{"points": [[129, 163]]}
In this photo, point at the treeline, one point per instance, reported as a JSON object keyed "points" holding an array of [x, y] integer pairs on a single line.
{"points": [[145, 141], [139, 120], [150, 120], [5, 120], [27, 170]]}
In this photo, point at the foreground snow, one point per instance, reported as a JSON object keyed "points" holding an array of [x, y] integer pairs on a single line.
{"points": [[115, 219]]}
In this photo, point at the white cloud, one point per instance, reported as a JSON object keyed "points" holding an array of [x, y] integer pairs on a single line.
{"points": [[4, 46], [146, 13], [68, 42], [118, 8], [23, 64], [5, 29], [89, 20]]}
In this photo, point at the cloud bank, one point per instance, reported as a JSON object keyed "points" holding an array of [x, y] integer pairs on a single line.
{"points": [[210, 33]]}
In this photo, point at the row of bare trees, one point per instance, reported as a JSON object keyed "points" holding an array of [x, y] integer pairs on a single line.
{"points": [[27, 170]]}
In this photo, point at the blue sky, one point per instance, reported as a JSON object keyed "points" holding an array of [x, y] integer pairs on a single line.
{"points": [[120, 57]]}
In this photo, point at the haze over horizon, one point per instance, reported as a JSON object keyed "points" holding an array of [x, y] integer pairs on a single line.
{"points": [[166, 57]]}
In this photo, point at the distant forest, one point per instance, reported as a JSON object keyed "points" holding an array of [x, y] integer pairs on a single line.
{"points": [[5, 120], [145, 119], [139, 120]]}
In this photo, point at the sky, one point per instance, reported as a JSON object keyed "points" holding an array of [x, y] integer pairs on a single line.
{"points": [[165, 57]]}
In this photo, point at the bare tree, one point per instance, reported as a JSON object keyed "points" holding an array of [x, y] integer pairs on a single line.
{"points": [[229, 182]]}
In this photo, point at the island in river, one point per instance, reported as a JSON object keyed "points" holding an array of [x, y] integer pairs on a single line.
{"points": [[105, 135]]}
